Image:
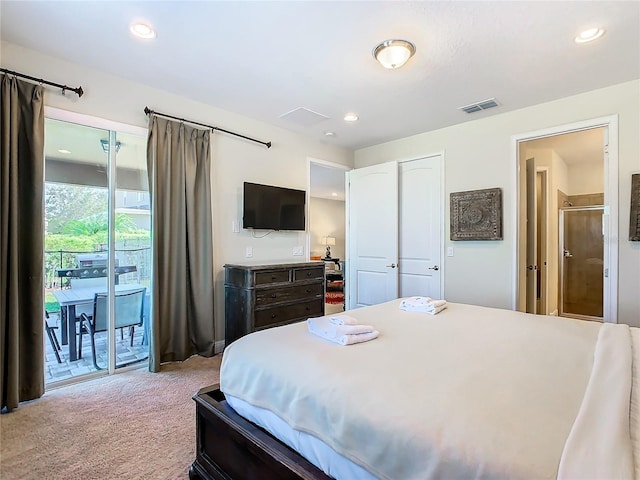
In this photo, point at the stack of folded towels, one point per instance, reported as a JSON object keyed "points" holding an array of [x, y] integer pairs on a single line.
{"points": [[423, 305], [341, 329]]}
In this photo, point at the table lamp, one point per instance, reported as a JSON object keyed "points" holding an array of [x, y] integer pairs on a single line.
{"points": [[328, 241]]}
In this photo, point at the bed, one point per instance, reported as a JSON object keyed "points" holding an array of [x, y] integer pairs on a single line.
{"points": [[472, 392]]}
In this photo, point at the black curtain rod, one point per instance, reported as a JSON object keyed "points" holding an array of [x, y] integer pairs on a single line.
{"points": [[64, 88], [148, 111]]}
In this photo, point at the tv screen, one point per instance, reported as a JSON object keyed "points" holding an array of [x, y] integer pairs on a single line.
{"points": [[267, 207]]}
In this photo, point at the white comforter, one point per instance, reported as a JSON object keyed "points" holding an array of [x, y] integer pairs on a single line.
{"points": [[471, 392]]}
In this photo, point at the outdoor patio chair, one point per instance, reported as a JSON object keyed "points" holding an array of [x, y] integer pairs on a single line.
{"points": [[128, 313], [53, 339]]}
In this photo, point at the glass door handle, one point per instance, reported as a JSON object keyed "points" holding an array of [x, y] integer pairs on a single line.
{"points": [[435, 267]]}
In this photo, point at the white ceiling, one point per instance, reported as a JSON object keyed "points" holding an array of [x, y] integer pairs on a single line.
{"points": [[263, 59], [582, 147], [327, 182]]}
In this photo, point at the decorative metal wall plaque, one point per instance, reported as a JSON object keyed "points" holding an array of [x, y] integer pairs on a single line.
{"points": [[634, 225], [476, 215]]}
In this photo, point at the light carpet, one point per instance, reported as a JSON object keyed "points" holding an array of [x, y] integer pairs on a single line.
{"points": [[134, 425]]}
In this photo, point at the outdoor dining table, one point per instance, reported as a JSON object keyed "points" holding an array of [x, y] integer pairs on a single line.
{"points": [[69, 298]]}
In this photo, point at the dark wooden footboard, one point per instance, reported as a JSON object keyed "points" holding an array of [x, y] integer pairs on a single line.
{"points": [[230, 447]]}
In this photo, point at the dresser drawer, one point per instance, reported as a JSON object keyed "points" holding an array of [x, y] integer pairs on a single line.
{"points": [[275, 276], [272, 316], [288, 294], [300, 274]]}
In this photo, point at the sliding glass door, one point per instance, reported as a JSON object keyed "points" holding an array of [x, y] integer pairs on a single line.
{"points": [[97, 249]]}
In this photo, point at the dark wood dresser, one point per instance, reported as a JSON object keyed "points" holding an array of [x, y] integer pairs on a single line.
{"points": [[263, 296]]}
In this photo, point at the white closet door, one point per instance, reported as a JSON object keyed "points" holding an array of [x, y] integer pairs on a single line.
{"points": [[372, 209], [420, 234]]}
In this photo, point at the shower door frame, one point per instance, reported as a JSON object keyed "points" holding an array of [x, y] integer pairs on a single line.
{"points": [[561, 261]]}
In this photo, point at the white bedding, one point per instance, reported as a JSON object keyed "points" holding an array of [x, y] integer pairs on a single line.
{"points": [[469, 393]]}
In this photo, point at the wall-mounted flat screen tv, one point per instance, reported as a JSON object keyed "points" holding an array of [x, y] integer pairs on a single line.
{"points": [[266, 207]]}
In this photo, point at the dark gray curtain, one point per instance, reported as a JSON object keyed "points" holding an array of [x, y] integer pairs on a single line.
{"points": [[21, 241], [178, 162]]}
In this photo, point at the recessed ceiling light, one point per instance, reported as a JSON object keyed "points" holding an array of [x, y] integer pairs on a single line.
{"points": [[589, 35], [329, 134], [334, 194], [62, 150], [350, 117], [142, 30]]}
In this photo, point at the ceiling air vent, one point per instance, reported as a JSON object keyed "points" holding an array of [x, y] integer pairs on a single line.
{"points": [[478, 106]]}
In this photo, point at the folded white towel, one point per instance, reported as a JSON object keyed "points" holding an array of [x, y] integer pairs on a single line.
{"points": [[416, 301], [423, 305], [342, 319], [324, 327], [342, 334], [358, 338], [437, 310]]}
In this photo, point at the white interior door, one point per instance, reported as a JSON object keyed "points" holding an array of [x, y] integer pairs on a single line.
{"points": [[420, 228], [532, 237], [372, 220]]}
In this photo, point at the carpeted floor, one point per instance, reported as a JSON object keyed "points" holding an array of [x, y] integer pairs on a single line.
{"points": [[135, 425]]}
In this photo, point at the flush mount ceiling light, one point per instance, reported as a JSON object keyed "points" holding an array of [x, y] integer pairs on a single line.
{"points": [[394, 53], [64, 150], [142, 30], [589, 35], [351, 117]]}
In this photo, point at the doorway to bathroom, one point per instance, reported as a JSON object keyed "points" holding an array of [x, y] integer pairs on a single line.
{"points": [[567, 254]]}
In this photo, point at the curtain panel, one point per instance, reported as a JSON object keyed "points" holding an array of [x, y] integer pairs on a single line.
{"points": [[179, 166], [21, 241]]}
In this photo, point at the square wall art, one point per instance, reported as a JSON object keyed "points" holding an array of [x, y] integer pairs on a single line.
{"points": [[476, 215]]}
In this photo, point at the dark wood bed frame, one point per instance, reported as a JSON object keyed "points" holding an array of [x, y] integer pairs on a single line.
{"points": [[229, 447]]}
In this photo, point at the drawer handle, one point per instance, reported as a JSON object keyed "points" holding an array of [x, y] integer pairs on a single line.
{"points": [[273, 277], [307, 308], [273, 295], [308, 290], [308, 274], [273, 315]]}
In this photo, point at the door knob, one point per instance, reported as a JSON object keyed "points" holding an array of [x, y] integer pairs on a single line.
{"points": [[393, 265], [532, 267], [567, 254], [435, 267]]}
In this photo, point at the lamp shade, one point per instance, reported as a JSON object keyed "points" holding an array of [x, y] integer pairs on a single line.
{"points": [[394, 53], [328, 240]]}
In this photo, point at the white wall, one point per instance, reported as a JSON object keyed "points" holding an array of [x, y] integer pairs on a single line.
{"points": [[478, 155], [234, 160], [327, 219], [586, 178]]}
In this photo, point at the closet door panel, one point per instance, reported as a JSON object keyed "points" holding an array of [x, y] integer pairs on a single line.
{"points": [[372, 207], [420, 234]]}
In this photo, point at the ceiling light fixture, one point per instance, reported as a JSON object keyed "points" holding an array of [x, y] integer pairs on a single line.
{"points": [[62, 150], [142, 30], [351, 117], [589, 35], [329, 134], [394, 53]]}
